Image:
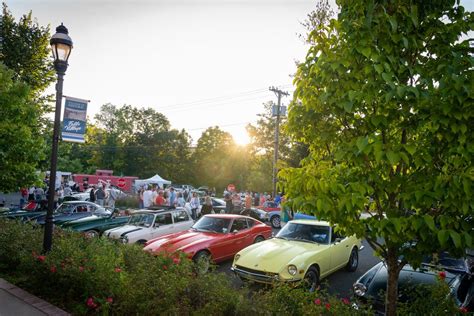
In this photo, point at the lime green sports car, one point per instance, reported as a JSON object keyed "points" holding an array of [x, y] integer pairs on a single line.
{"points": [[306, 250]]}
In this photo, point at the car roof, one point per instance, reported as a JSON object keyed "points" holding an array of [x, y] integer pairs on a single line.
{"points": [[310, 222], [80, 202], [226, 216], [154, 211]]}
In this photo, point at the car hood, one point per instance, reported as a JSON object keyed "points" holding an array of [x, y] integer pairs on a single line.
{"points": [[275, 254], [180, 241], [122, 231]]}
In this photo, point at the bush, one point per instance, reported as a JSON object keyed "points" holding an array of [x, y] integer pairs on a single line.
{"points": [[96, 276]]}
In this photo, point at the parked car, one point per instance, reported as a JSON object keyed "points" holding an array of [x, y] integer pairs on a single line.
{"points": [[269, 206], [214, 238], [94, 226], [257, 214], [148, 224], [31, 209], [275, 221], [73, 210], [85, 196], [218, 205], [303, 250], [370, 286]]}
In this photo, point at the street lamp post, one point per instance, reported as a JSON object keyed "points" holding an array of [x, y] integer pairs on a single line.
{"points": [[61, 45]]}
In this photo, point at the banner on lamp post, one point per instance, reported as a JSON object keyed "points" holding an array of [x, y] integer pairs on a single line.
{"points": [[74, 120]]}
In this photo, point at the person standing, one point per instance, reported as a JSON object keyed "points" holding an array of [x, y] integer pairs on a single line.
{"points": [[180, 202], [113, 194], [160, 199], [248, 201], [31, 194], [207, 206], [140, 198], [100, 195], [194, 204], [92, 194], [285, 213], [147, 197], [67, 191], [229, 206], [172, 197]]}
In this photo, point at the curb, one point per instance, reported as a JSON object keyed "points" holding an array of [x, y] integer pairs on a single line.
{"points": [[27, 300]]}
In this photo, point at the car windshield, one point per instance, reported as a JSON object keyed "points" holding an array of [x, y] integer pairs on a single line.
{"points": [[145, 220], [212, 224], [305, 232]]}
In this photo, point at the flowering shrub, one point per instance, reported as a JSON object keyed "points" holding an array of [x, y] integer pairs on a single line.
{"points": [[95, 276]]}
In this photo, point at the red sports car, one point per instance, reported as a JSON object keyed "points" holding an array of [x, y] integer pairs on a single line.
{"points": [[214, 238], [269, 206]]}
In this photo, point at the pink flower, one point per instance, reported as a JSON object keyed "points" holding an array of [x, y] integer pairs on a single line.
{"points": [[345, 301], [118, 270], [110, 300], [328, 306], [442, 275], [81, 268], [41, 258], [463, 310], [317, 301], [165, 268], [176, 260], [53, 269], [90, 303]]}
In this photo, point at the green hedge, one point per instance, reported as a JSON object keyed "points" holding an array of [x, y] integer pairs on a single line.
{"points": [[97, 276]]}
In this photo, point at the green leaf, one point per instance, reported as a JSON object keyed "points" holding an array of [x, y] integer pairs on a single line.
{"points": [[378, 68], [414, 15], [410, 149], [468, 239], [387, 77], [456, 238], [393, 157], [393, 23], [404, 157], [443, 236], [397, 223], [429, 221], [361, 143], [348, 106], [365, 51]]}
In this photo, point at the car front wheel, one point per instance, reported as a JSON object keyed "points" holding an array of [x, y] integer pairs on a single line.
{"points": [[276, 223], [203, 261], [258, 239], [92, 233], [353, 262], [311, 279]]}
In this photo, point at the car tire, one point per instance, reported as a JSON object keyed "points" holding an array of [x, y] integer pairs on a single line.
{"points": [[92, 233], [353, 262], [141, 242], [275, 221], [203, 261], [311, 279], [258, 239]]}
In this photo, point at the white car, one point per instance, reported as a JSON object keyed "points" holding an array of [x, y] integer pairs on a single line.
{"points": [[148, 224]]}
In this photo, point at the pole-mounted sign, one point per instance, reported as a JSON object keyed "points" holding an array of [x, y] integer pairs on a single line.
{"points": [[74, 120]]}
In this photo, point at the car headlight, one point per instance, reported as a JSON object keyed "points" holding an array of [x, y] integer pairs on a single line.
{"points": [[359, 289], [124, 240], [292, 269], [237, 256]]}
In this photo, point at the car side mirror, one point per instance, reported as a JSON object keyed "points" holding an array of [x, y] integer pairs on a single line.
{"points": [[156, 226], [235, 231]]}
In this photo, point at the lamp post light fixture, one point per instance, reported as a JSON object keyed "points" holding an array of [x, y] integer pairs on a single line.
{"points": [[61, 45]]}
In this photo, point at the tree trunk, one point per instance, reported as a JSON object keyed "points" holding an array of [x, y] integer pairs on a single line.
{"points": [[393, 270]]}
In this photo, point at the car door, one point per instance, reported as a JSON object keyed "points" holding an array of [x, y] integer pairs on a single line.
{"points": [[240, 235], [163, 225], [181, 220], [340, 249]]}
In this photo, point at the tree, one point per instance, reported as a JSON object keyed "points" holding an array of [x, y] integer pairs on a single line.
{"points": [[20, 143], [387, 110], [262, 148], [25, 50], [218, 160]]}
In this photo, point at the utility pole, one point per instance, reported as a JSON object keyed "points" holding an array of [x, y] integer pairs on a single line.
{"points": [[278, 93]]}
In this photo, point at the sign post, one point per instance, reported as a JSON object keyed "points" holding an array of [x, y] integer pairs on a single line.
{"points": [[74, 120], [121, 183]]}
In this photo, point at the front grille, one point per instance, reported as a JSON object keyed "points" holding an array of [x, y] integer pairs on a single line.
{"points": [[255, 275], [262, 273]]}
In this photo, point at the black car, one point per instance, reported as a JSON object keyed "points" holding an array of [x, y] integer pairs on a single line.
{"points": [[372, 285]]}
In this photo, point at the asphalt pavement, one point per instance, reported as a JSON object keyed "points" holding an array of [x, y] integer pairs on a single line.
{"points": [[338, 283]]}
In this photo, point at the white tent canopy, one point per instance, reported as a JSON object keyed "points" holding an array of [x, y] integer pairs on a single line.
{"points": [[156, 179]]}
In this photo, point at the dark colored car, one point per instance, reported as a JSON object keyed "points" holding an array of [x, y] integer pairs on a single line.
{"points": [[73, 210], [371, 286], [94, 226], [31, 209]]}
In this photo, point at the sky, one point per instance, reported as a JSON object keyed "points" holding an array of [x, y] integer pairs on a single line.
{"points": [[200, 63]]}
